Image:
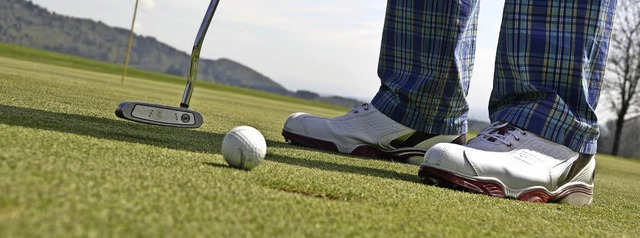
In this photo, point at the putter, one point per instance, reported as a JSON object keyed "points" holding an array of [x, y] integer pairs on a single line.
{"points": [[162, 115]]}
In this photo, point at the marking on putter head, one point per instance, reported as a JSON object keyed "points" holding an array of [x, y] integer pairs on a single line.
{"points": [[164, 115], [185, 118]]}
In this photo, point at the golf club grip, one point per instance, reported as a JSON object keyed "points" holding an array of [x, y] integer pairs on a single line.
{"points": [[195, 53]]}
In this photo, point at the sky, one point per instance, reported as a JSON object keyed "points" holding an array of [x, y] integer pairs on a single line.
{"points": [[329, 47]]}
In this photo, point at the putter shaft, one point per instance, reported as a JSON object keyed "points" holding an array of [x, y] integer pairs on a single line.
{"points": [[195, 53]]}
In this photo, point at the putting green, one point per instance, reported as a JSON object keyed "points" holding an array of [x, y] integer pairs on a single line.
{"points": [[69, 167]]}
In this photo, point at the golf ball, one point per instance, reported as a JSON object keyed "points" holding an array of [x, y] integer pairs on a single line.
{"points": [[244, 147]]}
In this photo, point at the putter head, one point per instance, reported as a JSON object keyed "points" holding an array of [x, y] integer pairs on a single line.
{"points": [[160, 115]]}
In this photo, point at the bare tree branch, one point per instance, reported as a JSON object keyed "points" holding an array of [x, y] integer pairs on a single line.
{"points": [[622, 84]]}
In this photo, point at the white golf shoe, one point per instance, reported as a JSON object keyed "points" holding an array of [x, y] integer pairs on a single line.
{"points": [[364, 131], [506, 161]]}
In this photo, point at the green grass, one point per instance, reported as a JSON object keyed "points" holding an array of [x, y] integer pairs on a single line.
{"points": [[53, 58], [69, 167]]}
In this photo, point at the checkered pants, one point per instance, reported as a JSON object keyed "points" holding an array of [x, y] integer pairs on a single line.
{"points": [[549, 66]]}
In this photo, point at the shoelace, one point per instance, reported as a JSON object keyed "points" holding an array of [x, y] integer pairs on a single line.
{"points": [[364, 107], [501, 131]]}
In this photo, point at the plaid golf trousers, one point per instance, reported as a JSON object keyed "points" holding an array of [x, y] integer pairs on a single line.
{"points": [[549, 66]]}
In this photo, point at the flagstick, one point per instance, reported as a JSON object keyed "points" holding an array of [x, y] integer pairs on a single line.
{"points": [[126, 60]]}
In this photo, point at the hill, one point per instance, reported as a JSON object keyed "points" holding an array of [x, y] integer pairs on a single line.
{"points": [[27, 24]]}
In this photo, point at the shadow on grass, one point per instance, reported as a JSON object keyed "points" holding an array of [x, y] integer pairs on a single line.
{"points": [[168, 137], [112, 129], [331, 166]]}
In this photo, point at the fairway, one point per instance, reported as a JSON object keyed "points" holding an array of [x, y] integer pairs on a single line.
{"points": [[70, 168]]}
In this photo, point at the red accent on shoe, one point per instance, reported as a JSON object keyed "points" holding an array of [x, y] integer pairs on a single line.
{"points": [[446, 179], [309, 142], [370, 151], [541, 196]]}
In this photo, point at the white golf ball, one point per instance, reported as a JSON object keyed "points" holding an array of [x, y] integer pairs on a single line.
{"points": [[244, 147]]}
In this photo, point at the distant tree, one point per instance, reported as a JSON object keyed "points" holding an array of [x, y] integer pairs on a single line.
{"points": [[621, 85]]}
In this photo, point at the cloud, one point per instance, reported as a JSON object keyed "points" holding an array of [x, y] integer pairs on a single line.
{"points": [[148, 4], [325, 22], [137, 26]]}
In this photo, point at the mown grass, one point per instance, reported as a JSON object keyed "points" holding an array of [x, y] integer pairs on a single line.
{"points": [[69, 167], [53, 58]]}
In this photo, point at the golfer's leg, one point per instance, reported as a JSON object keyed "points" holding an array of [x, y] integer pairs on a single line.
{"points": [[540, 148], [425, 64], [549, 68]]}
